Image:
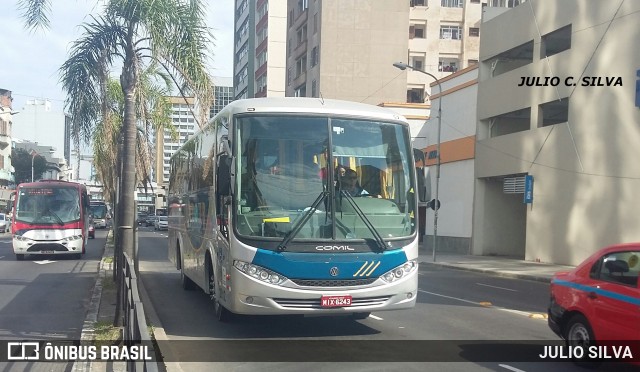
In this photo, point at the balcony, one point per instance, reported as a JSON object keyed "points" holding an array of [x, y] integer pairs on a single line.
{"points": [[5, 175], [300, 49], [300, 79], [5, 140], [301, 20]]}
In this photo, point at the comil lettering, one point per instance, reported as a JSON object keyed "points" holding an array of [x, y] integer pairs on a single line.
{"points": [[334, 248]]}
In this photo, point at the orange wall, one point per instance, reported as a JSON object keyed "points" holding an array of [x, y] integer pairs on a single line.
{"points": [[456, 150]]}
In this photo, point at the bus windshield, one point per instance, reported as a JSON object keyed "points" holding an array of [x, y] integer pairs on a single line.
{"points": [[98, 211], [48, 205], [284, 166]]}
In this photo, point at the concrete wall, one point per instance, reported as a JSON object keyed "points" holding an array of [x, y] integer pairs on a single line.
{"points": [[585, 170]]}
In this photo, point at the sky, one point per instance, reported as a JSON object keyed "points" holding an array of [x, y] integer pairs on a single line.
{"points": [[30, 60]]}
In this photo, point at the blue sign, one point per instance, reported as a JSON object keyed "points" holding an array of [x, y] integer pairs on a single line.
{"points": [[638, 88], [528, 189]]}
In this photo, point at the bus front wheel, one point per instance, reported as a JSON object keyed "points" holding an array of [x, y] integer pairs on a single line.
{"points": [[221, 312], [19, 257]]}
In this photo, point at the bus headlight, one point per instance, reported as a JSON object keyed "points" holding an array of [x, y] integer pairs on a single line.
{"points": [[20, 238], [400, 272], [72, 238], [259, 273]]}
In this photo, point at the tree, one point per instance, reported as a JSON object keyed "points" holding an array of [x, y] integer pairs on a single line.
{"points": [[21, 161], [136, 33]]}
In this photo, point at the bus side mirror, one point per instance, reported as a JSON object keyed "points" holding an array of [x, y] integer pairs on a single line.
{"points": [[423, 176], [223, 175]]}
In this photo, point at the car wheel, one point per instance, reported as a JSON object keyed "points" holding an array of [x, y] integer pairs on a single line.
{"points": [[578, 333], [221, 312]]}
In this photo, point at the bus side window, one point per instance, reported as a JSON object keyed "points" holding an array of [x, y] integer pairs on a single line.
{"points": [[223, 193]]}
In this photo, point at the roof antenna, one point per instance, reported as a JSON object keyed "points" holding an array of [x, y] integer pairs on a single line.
{"points": [[321, 98]]}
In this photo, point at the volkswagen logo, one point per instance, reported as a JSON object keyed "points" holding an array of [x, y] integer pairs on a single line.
{"points": [[334, 271]]}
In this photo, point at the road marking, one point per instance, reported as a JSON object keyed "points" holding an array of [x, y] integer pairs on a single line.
{"points": [[375, 317], [488, 305], [493, 286], [514, 369], [43, 262]]}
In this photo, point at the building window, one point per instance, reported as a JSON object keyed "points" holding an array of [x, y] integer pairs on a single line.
{"points": [[554, 112], [314, 88], [315, 23], [418, 2], [314, 56], [289, 77], [472, 62], [417, 62], [451, 3], [475, 1], [417, 31], [415, 96], [261, 59], [300, 91], [451, 32], [302, 34], [448, 65], [474, 31], [301, 65], [302, 6], [291, 18], [556, 42]]}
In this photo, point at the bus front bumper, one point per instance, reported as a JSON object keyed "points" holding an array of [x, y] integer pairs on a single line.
{"points": [[251, 296], [40, 247]]}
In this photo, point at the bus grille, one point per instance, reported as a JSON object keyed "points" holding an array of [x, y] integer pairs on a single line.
{"points": [[315, 303], [333, 283], [38, 247]]}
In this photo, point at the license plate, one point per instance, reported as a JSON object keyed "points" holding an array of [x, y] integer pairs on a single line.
{"points": [[335, 301]]}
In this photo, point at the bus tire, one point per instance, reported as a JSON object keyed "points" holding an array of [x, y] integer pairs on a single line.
{"points": [[77, 256], [222, 314], [187, 284], [19, 257], [360, 316]]}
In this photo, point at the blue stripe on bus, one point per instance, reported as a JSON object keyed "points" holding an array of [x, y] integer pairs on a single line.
{"points": [[295, 265], [600, 291]]}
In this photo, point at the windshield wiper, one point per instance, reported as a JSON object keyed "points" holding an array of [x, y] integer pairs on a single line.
{"points": [[50, 213], [366, 221], [305, 217]]}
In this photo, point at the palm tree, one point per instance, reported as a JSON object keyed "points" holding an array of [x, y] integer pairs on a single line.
{"points": [[137, 33]]}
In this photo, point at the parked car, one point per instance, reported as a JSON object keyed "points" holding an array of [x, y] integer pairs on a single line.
{"points": [[150, 221], [595, 306], [5, 223], [142, 219], [162, 223]]}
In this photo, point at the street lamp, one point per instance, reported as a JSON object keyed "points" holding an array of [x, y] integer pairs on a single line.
{"points": [[33, 157], [436, 203]]}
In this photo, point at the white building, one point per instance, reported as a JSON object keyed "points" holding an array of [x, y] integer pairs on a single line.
{"points": [[6, 124], [575, 131]]}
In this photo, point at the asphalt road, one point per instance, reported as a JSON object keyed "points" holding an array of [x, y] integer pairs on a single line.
{"points": [[454, 309], [45, 297]]}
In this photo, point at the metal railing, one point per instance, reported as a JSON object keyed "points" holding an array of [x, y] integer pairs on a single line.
{"points": [[135, 332]]}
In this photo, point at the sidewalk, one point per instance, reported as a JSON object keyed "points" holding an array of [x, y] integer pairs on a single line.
{"points": [[494, 265]]}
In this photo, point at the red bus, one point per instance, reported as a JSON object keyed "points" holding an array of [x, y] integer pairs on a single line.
{"points": [[50, 217]]}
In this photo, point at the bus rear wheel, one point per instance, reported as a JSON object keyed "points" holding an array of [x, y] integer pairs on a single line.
{"points": [[221, 312]]}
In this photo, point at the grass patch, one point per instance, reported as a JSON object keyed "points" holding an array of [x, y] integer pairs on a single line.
{"points": [[108, 259], [107, 334]]}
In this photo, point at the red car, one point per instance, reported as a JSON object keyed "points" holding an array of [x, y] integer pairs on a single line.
{"points": [[596, 306]]}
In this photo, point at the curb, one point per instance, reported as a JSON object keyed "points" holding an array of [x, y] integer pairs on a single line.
{"points": [[88, 327], [503, 274], [157, 330]]}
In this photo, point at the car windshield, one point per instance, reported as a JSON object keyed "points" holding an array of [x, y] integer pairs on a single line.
{"points": [[284, 166], [162, 218]]}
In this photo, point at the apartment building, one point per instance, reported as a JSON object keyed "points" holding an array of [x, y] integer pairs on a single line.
{"points": [[223, 94], [558, 101], [6, 123], [346, 49], [444, 37], [259, 48], [185, 124]]}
